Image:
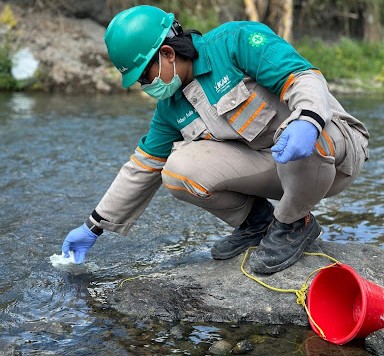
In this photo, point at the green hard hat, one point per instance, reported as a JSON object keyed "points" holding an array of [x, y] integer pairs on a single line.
{"points": [[133, 37]]}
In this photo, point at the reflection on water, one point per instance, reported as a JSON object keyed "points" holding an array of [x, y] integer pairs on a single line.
{"points": [[58, 156]]}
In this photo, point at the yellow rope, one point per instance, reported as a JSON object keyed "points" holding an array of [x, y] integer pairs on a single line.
{"points": [[129, 279], [301, 293]]}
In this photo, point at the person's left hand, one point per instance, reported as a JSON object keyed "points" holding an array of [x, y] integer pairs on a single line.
{"points": [[296, 142], [79, 241]]}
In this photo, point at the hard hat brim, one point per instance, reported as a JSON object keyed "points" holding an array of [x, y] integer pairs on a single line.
{"points": [[131, 77]]}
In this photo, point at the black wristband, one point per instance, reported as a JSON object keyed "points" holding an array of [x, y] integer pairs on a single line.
{"points": [[314, 116], [96, 216], [95, 229]]}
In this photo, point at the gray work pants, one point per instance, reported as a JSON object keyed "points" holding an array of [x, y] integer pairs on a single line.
{"points": [[224, 177]]}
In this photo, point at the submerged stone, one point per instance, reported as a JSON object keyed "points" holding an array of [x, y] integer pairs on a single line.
{"points": [[242, 347], [220, 347]]}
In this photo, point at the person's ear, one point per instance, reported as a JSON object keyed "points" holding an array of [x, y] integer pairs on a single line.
{"points": [[168, 52]]}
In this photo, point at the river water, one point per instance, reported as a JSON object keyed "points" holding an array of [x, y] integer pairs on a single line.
{"points": [[58, 156]]}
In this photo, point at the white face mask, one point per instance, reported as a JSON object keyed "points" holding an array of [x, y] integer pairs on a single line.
{"points": [[160, 90]]}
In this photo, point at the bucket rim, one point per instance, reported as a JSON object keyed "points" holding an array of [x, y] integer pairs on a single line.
{"points": [[362, 292]]}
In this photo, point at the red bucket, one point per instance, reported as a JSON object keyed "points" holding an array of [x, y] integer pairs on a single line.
{"points": [[344, 305]]}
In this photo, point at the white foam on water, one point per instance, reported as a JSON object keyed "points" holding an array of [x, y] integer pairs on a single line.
{"points": [[60, 260], [68, 264]]}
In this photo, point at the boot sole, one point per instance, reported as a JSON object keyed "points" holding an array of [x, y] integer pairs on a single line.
{"points": [[296, 256]]}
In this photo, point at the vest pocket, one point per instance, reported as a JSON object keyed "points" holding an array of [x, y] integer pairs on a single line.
{"points": [[246, 112], [196, 130]]}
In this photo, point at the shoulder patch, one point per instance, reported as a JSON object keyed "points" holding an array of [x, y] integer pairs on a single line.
{"points": [[257, 39]]}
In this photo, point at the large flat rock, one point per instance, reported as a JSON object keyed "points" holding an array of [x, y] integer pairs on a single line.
{"points": [[218, 291]]}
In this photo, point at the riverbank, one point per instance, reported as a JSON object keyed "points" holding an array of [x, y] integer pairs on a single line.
{"points": [[70, 52], [47, 51]]}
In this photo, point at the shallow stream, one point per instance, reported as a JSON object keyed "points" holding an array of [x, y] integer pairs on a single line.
{"points": [[58, 156]]}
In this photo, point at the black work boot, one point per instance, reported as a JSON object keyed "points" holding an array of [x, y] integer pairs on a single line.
{"points": [[284, 244], [249, 233]]}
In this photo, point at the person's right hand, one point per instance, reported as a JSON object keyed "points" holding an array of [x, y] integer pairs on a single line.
{"points": [[296, 142], [79, 240]]}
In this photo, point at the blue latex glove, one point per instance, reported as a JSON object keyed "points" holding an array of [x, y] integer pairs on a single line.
{"points": [[296, 142], [79, 240]]}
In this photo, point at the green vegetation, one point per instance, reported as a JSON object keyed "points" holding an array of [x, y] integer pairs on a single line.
{"points": [[7, 21], [7, 17], [346, 59], [191, 20], [7, 82]]}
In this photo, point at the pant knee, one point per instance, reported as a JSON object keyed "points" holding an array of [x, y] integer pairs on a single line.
{"points": [[180, 178]]}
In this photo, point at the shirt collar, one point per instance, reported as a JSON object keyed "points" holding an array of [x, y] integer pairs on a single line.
{"points": [[202, 64]]}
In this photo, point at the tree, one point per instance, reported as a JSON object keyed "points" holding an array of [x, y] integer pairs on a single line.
{"points": [[277, 13], [281, 17], [371, 19]]}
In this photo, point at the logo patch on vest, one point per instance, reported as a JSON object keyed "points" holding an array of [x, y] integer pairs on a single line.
{"points": [[257, 39], [223, 84]]}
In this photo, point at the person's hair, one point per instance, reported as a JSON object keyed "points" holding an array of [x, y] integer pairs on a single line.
{"points": [[183, 45]]}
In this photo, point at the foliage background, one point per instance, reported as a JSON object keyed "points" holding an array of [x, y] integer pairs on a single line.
{"points": [[343, 38]]}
